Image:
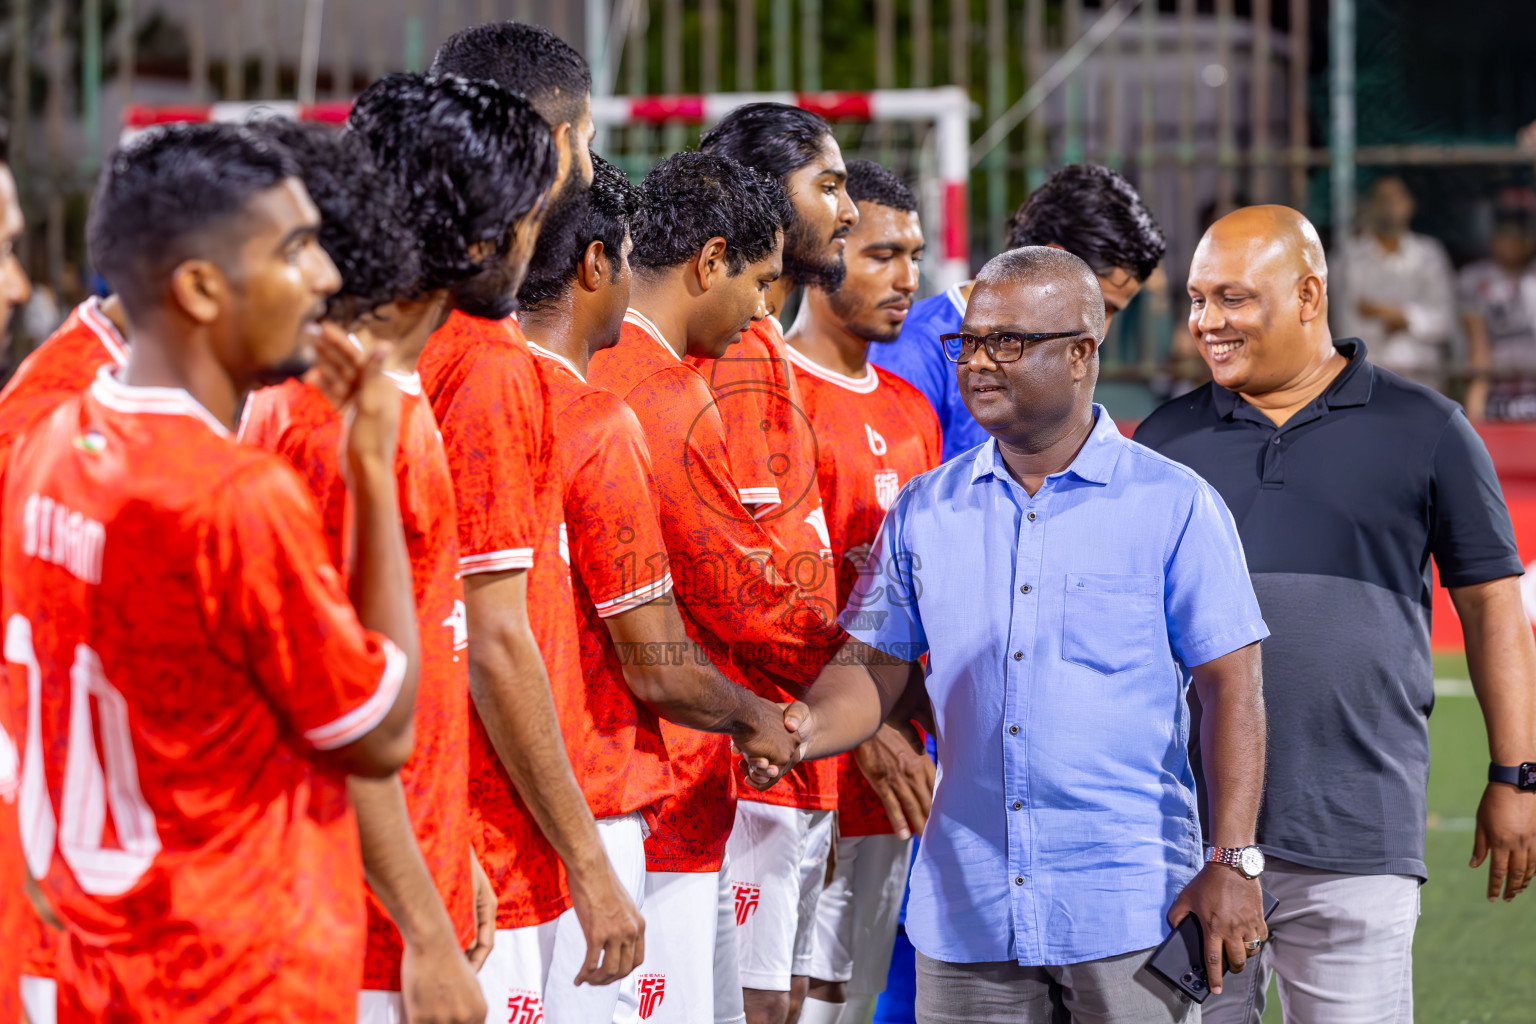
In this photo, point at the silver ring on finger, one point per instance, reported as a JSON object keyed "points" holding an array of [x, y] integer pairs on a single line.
{"points": [[1253, 945]]}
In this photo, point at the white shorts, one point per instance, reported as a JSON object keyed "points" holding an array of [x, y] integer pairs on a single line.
{"points": [[675, 985], [564, 1001], [513, 977], [856, 916], [778, 858], [730, 1004], [39, 997], [375, 1006]]}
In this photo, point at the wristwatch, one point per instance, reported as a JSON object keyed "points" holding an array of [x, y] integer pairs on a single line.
{"points": [[1247, 861], [1521, 776]]}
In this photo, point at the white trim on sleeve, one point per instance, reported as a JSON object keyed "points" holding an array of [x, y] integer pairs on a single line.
{"points": [[758, 495], [360, 721], [635, 598], [496, 561]]}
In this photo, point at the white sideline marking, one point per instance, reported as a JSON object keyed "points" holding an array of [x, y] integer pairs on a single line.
{"points": [[1453, 688]]}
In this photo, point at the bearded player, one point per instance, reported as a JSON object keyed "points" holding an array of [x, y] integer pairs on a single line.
{"points": [[492, 404], [874, 432], [620, 571], [782, 852], [431, 911], [538, 65], [706, 252], [535, 63], [1091, 212], [233, 697]]}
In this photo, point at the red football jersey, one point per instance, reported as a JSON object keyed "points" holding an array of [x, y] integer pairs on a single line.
{"points": [[493, 407], [297, 422], [762, 633], [63, 365], [874, 433], [773, 451], [15, 914], [618, 562], [180, 648]]}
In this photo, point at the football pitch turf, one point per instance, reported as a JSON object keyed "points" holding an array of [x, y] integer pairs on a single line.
{"points": [[1467, 953]]}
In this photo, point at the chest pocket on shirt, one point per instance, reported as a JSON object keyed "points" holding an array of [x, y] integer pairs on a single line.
{"points": [[1113, 621]]}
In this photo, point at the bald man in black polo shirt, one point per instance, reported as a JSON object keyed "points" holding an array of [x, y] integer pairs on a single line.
{"points": [[1344, 480]]}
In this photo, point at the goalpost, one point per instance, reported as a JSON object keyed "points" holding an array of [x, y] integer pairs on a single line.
{"points": [[942, 143], [938, 150]]}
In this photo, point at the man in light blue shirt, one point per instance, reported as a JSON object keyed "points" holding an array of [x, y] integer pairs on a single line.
{"points": [[1065, 584], [1088, 210]]}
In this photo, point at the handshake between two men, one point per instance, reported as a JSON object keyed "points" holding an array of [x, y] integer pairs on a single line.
{"points": [[867, 702]]}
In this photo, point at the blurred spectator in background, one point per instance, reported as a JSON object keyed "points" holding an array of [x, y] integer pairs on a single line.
{"points": [[15, 289], [39, 316], [1403, 288], [1498, 307]]}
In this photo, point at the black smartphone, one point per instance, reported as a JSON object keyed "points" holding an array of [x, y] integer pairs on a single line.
{"points": [[1181, 958]]}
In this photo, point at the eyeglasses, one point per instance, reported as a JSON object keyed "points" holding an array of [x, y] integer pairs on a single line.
{"points": [[1002, 346]]}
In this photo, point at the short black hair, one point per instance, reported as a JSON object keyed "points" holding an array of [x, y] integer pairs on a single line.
{"points": [[1037, 261], [362, 219], [689, 198], [775, 138], [471, 159], [526, 59], [5, 141], [1094, 213], [601, 213], [162, 192], [871, 183]]}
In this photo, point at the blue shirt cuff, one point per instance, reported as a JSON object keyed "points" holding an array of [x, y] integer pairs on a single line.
{"points": [[1222, 644]]}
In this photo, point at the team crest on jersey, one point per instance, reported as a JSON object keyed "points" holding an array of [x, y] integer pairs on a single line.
{"points": [[91, 441], [746, 900], [887, 483], [526, 1008], [876, 442], [459, 623], [652, 988]]}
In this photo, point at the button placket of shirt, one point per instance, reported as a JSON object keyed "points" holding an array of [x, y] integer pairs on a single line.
{"points": [[1019, 673], [1280, 440]]}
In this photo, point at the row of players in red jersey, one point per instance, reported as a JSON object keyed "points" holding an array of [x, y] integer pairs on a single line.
{"points": [[190, 593]]}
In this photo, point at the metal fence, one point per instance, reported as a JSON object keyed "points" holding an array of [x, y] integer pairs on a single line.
{"points": [[1204, 104]]}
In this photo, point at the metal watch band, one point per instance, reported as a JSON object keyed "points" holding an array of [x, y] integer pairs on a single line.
{"points": [[1231, 856]]}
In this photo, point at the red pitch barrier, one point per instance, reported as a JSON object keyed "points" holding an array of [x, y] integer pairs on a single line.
{"points": [[1513, 447]]}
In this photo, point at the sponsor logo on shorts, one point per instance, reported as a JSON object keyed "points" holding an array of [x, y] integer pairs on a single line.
{"points": [[746, 901], [652, 988], [526, 1008]]}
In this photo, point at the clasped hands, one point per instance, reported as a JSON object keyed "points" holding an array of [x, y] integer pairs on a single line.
{"points": [[893, 761]]}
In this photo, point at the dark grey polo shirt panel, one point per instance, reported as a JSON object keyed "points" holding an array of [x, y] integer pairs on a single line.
{"points": [[1340, 512]]}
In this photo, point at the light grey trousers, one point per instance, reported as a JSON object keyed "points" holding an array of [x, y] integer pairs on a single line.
{"points": [[1342, 946], [1115, 990]]}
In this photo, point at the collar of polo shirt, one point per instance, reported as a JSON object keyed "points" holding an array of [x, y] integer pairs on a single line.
{"points": [[1351, 387]]}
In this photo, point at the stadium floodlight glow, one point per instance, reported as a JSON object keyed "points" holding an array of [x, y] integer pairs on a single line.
{"points": [[947, 108]]}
